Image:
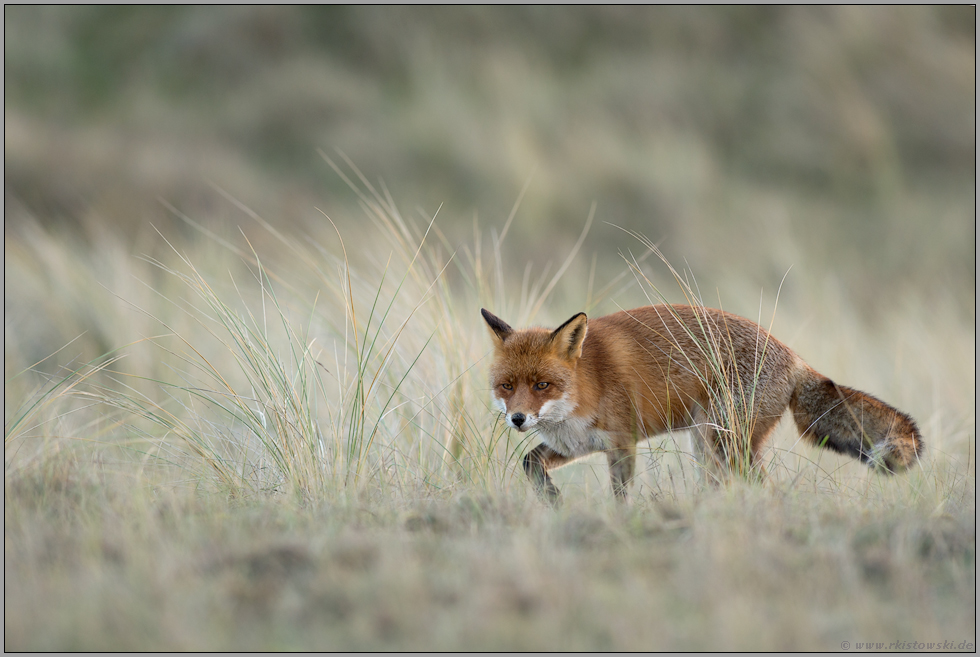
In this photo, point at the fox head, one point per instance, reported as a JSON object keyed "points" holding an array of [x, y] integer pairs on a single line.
{"points": [[533, 372]]}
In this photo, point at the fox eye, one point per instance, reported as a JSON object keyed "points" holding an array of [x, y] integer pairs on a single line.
{"points": [[506, 386], [541, 385]]}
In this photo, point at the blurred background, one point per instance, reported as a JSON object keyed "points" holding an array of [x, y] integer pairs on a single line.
{"points": [[834, 143], [825, 152]]}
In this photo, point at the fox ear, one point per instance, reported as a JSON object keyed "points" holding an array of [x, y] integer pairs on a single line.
{"points": [[568, 338], [498, 327]]}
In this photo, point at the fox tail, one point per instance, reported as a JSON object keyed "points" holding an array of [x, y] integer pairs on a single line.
{"points": [[853, 422]]}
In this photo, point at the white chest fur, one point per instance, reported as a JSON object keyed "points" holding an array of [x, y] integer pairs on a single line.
{"points": [[573, 437]]}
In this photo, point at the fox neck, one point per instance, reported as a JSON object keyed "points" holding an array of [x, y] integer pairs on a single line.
{"points": [[577, 433], [583, 399], [578, 407]]}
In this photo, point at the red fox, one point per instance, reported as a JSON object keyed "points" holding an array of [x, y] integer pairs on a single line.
{"points": [[602, 385]]}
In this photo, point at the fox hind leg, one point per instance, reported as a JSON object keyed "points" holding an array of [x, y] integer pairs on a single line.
{"points": [[705, 440], [724, 451]]}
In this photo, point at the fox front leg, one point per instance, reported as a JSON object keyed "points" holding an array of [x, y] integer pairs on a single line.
{"points": [[621, 465], [537, 462]]}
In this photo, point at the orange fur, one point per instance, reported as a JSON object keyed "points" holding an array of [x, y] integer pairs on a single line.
{"points": [[604, 384]]}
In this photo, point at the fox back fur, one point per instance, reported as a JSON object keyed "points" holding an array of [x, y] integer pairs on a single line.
{"points": [[602, 385]]}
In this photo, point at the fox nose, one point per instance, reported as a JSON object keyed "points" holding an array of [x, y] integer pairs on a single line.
{"points": [[517, 419]]}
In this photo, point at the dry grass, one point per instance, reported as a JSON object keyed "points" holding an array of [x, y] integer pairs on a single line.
{"points": [[231, 425], [320, 470], [100, 564]]}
